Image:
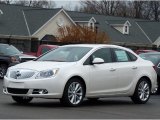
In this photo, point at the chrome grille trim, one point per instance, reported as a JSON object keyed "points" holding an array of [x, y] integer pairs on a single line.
{"points": [[21, 74]]}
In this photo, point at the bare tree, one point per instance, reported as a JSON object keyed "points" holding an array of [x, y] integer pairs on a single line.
{"points": [[155, 10], [6, 1], [106, 7], [131, 8], [36, 3]]}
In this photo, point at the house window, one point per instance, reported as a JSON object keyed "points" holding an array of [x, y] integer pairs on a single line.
{"points": [[91, 25], [126, 29]]}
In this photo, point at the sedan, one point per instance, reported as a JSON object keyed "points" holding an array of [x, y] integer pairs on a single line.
{"points": [[154, 57], [74, 72]]}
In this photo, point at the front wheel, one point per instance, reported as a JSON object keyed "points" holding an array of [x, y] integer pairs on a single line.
{"points": [[74, 93], [22, 100], [142, 92]]}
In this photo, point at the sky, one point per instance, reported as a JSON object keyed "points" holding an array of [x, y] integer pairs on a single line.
{"points": [[67, 3]]}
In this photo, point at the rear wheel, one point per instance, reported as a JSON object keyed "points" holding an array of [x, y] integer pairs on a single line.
{"points": [[3, 70], [157, 91], [142, 92], [22, 100], [74, 93]]}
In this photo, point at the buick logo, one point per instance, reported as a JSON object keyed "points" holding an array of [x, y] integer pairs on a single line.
{"points": [[18, 74]]}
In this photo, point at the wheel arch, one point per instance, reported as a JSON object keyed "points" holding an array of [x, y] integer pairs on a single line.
{"points": [[147, 78], [78, 77]]}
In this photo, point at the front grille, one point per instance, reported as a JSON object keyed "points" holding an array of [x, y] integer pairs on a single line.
{"points": [[17, 91], [21, 74]]}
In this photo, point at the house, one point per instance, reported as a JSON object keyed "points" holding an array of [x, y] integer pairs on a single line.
{"points": [[24, 26]]}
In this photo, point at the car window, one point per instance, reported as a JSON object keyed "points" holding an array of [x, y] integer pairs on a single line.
{"points": [[132, 57], [65, 54], [8, 50], [121, 55], [103, 53], [154, 58], [44, 50]]}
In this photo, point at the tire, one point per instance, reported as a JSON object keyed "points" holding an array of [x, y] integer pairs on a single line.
{"points": [[74, 93], [22, 100], [3, 70], [142, 92], [157, 92]]}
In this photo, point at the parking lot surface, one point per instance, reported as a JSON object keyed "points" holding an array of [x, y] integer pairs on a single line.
{"points": [[108, 108]]}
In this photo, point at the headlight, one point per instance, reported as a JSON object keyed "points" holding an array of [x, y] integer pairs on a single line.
{"points": [[7, 73], [47, 73], [15, 59]]}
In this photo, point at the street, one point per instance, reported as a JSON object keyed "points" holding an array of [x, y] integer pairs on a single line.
{"points": [[108, 108]]}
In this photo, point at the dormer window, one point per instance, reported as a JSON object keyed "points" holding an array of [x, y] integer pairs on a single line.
{"points": [[126, 29], [120, 25]]}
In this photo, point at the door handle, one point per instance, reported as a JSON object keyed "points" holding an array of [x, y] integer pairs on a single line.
{"points": [[134, 67], [112, 69]]}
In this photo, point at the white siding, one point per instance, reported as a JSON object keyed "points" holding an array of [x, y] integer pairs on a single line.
{"points": [[52, 27], [119, 28]]}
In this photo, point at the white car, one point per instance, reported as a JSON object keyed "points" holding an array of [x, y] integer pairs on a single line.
{"points": [[73, 72]]}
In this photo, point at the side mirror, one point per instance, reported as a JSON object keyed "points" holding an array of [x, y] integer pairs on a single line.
{"points": [[97, 61], [21, 52]]}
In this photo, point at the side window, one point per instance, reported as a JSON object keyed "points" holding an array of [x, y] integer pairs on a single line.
{"points": [[132, 57], [121, 55], [104, 53]]}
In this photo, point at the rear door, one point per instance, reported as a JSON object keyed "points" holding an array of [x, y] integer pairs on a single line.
{"points": [[126, 69]]}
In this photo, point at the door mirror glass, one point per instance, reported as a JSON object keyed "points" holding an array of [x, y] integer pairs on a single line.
{"points": [[97, 61]]}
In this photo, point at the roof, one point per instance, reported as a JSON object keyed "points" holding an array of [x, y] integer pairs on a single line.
{"points": [[81, 18], [151, 28], [36, 18], [116, 21], [23, 21], [135, 35], [12, 21], [97, 45]]}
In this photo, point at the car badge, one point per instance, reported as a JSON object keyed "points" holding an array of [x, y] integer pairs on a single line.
{"points": [[18, 74]]}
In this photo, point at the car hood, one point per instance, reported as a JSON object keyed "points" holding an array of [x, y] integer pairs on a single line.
{"points": [[42, 65], [26, 56]]}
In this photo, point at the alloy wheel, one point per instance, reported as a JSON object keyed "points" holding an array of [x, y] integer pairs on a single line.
{"points": [[75, 93], [143, 90]]}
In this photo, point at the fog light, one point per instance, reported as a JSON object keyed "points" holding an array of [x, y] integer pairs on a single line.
{"points": [[4, 90], [40, 91]]}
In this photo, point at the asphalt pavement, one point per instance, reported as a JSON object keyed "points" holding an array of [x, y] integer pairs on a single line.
{"points": [[108, 108]]}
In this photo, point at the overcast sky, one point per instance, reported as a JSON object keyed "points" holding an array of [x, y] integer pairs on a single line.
{"points": [[67, 3]]}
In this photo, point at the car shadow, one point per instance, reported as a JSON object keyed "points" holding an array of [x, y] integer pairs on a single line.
{"points": [[86, 103]]}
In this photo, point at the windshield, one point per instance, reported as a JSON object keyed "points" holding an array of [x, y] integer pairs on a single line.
{"points": [[65, 54], [8, 50], [154, 58]]}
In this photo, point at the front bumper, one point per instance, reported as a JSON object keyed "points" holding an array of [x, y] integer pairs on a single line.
{"points": [[40, 88]]}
